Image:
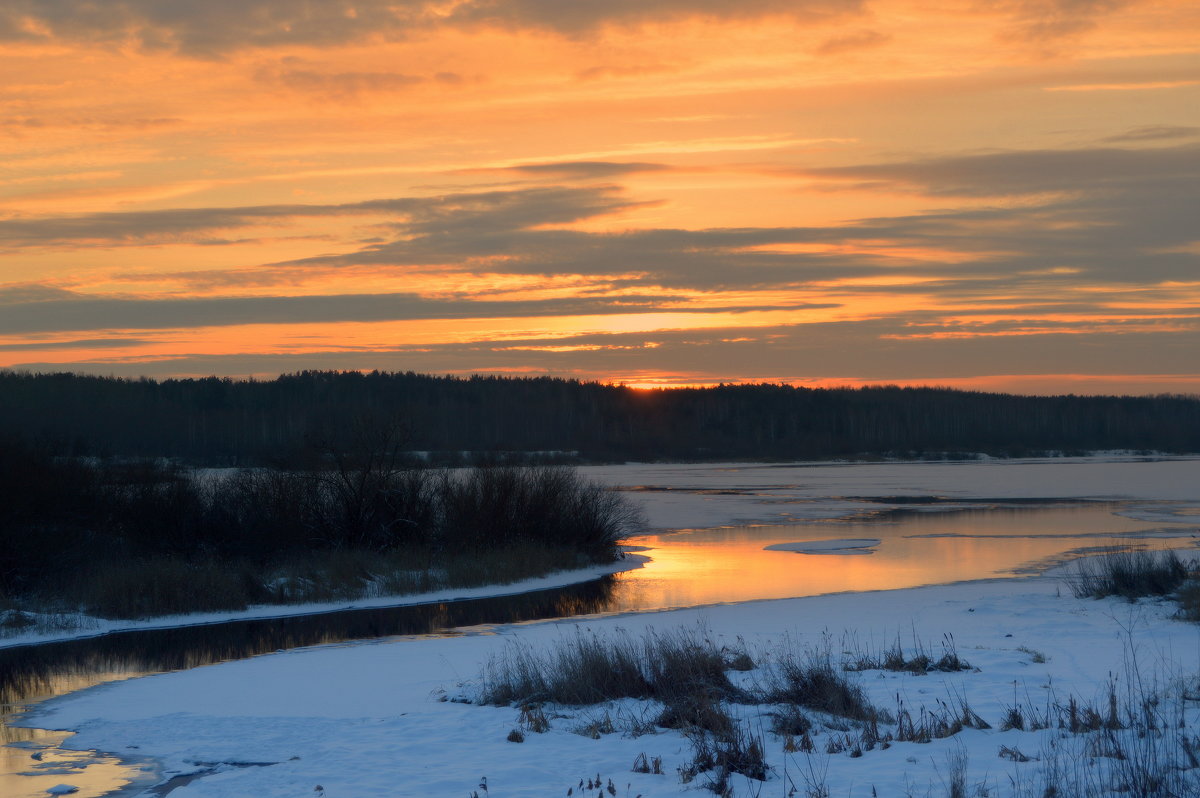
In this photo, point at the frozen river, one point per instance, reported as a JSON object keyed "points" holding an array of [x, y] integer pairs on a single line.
{"points": [[719, 534]]}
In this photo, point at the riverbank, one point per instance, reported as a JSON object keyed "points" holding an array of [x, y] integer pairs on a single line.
{"points": [[373, 718], [116, 540], [367, 717], [80, 627], [702, 496]]}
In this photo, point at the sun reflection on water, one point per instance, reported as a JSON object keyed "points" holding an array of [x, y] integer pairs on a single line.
{"points": [[709, 566]]}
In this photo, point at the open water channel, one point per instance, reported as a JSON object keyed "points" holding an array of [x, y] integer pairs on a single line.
{"points": [[921, 544]]}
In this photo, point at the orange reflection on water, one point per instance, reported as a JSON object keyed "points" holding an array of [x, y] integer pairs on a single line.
{"points": [[730, 564], [24, 776]]}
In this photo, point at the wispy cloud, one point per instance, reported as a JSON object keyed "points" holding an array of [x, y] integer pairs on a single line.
{"points": [[1129, 86], [859, 350], [213, 28], [1047, 20], [1017, 172], [848, 42], [76, 344], [65, 311], [508, 209], [1155, 133], [580, 170]]}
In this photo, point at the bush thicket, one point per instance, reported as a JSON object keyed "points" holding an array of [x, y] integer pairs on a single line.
{"points": [[129, 539]]}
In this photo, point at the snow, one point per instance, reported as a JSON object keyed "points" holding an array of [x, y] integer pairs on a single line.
{"points": [[384, 717], [834, 546], [77, 627], [368, 718]]}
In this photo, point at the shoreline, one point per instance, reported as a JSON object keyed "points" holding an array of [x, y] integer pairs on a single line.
{"points": [[266, 612], [357, 736], [804, 492]]}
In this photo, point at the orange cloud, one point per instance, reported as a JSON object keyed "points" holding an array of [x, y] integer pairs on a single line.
{"points": [[664, 193]]}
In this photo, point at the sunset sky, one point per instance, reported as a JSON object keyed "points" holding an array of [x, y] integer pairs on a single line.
{"points": [[1001, 195]]}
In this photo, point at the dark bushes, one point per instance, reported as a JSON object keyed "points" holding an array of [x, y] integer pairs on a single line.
{"points": [[166, 586], [151, 538], [498, 506]]}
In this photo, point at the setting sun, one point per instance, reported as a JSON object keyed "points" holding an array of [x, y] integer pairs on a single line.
{"points": [[610, 192]]}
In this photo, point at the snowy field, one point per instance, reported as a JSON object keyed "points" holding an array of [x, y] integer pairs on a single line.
{"points": [[386, 717], [369, 719]]}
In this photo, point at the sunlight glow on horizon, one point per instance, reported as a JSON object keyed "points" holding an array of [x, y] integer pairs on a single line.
{"points": [[967, 195]]}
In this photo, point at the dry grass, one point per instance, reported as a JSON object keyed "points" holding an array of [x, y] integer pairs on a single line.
{"points": [[1130, 574], [1137, 744], [811, 680], [673, 668], [1188, 596], [917, 661], [164, 586], [644, 764]]}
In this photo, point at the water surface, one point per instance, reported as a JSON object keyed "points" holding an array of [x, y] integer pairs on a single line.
{"points": [[921, 545]]}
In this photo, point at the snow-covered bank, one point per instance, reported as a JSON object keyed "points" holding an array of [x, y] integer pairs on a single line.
{"points": [[370, 719], [84, 626]]}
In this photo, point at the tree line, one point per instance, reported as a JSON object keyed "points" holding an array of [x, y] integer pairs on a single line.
{"points": [[222, 421]]}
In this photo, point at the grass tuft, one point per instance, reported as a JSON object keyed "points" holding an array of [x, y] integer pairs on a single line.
{"points": [[1188, 597], [811, 680], [644, 764], [681, 669], [1130, 574]]}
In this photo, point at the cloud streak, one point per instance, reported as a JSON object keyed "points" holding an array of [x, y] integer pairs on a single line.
{"points": [[504, 209], [1094, 211], [1048, 20], [216, 27], [1032, 171], [62, 311]]}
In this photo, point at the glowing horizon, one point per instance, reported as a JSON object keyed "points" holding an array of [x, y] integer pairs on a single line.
{"points": [[823, 193]]}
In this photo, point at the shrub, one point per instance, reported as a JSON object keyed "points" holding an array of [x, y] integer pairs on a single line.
{"points": [[353, 522], [1129, 574], [722, 754], [812, 681], [487, 507], [164, 585]]}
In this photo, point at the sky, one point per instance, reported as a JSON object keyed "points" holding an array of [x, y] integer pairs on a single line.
{"points": [[999, 195]]}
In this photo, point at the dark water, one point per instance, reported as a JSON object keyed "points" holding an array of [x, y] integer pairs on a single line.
{"points": [[30, 760], [31, 672]]}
